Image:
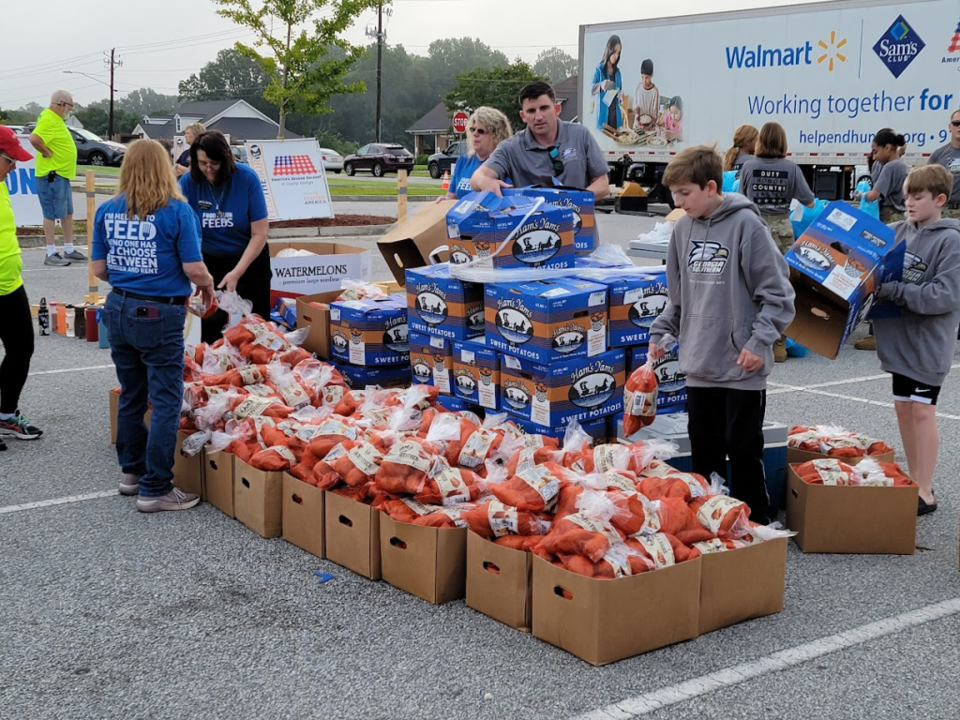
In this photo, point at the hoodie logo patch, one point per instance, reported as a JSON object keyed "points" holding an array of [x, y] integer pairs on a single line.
{"points": [[913, 268], [708, 258]]}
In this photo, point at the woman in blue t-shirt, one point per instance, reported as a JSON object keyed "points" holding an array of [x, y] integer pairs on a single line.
{"points": [[229, 201], [487, 128], [146, 244]]}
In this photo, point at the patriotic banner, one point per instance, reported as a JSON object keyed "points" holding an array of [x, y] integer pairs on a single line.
{"points": [[291, 174]]}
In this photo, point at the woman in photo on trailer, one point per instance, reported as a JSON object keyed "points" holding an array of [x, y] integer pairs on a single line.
{"points": [[608, 86]]}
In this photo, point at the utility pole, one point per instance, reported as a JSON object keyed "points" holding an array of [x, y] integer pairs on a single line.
{"points": [[112, 63], [379, 63]]}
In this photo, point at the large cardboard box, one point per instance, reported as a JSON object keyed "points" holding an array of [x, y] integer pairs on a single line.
{"points": [[258, 499], [795, 456], [317, 320], [852, 519], [439, 304], [357, 377], [581, 202], [431, 361], [498, 582], [602, 621], [370, 332], [430, 563], [188, 471], [218, 481], [418, 240], [302, 515], [836, 266], [597, 429], [352, 535], [738, 585], [636, 298], [319, 273], [476, 373]]}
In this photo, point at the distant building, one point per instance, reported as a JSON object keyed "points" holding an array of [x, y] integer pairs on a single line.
{"points": [[236, 118]]}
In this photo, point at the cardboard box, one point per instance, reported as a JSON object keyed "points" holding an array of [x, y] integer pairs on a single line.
{"points": [[285, 311], [418, 240], [218, 481], [357, 378], [835, 268], [188, 471], [476, 373], [430, 563], [302, 515], [671, 383], [550, 395], [318, 322], [431, 361], [114, 401], [370, 332], [852, 519], [352, 535], [537, 234], [439, 304], [498, 582], [636, 298], [604, 620], [738, 585], [547, 320], [319, 273], [258, 499], [581, 202], [597, 429], [795, 456]]}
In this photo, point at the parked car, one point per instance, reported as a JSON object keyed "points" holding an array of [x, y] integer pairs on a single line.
{"points": [[443, 161], [332, 160], [379, 158], [93, 150], [18, 129]]}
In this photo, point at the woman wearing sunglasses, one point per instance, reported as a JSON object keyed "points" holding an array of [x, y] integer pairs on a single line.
{"points": [[486, 128]]}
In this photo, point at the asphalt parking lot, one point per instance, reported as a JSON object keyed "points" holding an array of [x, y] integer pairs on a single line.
{"points": [[107, 613]]}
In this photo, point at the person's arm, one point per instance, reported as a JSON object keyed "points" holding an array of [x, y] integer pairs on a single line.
{"points": [[598, 80], [668, 321], [882, 186], [98, 255], [100, 270], [40, 146], [258, 239], [199, 275], [801, 190], [767, 278], [180, 170], [936, 297], [486, 178], [599, 186], [596, 169]]}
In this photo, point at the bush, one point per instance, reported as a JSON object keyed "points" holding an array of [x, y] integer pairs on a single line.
{"points": [[422, 160]]}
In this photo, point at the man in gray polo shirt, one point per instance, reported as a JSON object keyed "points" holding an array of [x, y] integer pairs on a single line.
{"points": [[548, 148], [949, 157]]}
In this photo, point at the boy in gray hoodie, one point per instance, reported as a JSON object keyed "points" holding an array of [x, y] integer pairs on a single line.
{"points": [[916, 346], [729, 300]]}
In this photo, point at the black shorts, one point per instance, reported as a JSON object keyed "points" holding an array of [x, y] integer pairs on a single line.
{"points": [[909, 390]]}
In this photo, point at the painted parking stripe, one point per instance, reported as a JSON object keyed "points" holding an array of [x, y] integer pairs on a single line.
{"points": [[851, 398], [72, 370], [729, 677], [69, 499]]}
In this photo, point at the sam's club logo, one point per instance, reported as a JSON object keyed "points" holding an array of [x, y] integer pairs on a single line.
{"points": [[898, 46]]}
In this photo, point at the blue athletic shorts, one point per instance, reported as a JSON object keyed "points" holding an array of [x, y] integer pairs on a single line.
{"points": [[56, 198]]}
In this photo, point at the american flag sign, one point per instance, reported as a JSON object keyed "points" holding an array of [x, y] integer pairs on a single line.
{"points": [[293, 165], [955, 41]]}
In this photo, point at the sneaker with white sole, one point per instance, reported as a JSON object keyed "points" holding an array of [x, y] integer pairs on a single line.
{"points": [[18, 427], [176, 499], [129, 484], [55, 259], [75, 256]]}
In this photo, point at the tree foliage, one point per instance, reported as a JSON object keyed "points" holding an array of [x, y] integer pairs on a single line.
{"points": [[96, 118], [498, 87], [229, 76], [555, 64], [147, 101]]}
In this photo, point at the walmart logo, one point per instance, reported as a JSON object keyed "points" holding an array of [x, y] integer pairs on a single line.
{"points": [[743, 57], [898, 46]]}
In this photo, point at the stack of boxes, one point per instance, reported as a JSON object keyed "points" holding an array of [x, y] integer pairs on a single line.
{"points": [[369, 341]]}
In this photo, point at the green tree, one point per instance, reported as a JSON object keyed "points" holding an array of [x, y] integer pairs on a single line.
{"points": [[498, 87], [147, 101], [555, 65], [303, 74], [230, 76], [96, 118]]}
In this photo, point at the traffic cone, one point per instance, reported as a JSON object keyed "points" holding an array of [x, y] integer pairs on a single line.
{"points": [[446, 180]]}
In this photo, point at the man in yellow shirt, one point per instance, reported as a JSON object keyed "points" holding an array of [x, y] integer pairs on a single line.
{"points": [[16, 328], [56, 167]]}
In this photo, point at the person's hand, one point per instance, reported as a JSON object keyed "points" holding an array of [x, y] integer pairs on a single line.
{"points": [[748, 361], [48, 153], [229, 282], [655, 352], [207, 294]]}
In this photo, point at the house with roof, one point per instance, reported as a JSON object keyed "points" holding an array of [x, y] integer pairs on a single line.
{"points": [[434, 132], [236, 118]]}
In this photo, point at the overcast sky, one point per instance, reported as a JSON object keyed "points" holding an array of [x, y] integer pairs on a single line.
{"points": [[161, 43]]}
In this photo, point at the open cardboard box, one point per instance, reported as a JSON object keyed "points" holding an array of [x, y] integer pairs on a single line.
{"points": [[798, 457], [302, 515], [498, 582], [319, 273], [430, 563], [188, 471], [417, 241], [603, 621], [258, 498], [881, 520], [352, 535], [218, 480], [738, 585]]}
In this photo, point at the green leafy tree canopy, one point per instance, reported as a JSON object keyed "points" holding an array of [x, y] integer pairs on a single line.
{"points": [[498, 87], [555, 65]]}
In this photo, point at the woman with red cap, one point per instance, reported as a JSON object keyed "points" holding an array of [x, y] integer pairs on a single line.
{"points": [[16, 330]]}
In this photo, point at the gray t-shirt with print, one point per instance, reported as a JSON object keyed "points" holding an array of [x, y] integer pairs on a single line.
{"points": [[771, 183], [890, 184], [949, 157]]}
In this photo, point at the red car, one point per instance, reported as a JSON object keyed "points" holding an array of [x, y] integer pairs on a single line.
{"points": [[379, 158]]}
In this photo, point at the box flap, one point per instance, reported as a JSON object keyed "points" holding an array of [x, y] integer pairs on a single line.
{"points": [[411, 243]]}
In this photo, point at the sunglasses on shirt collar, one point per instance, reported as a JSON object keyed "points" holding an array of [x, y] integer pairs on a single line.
{"points": [[554, 154]]}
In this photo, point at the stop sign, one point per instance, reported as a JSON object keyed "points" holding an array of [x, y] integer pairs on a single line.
{"points": [[460, 121]]}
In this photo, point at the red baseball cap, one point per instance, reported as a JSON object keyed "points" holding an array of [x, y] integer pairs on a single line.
{"points": [[10, 145]]}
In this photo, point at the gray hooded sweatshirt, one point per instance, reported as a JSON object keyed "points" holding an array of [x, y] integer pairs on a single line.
{"points": [[920, 343], [728, 289]]}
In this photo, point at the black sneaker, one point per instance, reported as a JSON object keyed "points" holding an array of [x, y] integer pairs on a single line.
{"points": [[18, 427], [3, 446], [924, 508]]}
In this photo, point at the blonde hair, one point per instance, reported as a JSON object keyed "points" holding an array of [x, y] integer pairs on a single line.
{"points": [[196, 129], [147, 179], [772, 142], [698, 165], [935, 178], [743, 137], [491, 120]]}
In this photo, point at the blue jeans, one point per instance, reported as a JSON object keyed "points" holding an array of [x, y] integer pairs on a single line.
{"points": [[147, 348]]}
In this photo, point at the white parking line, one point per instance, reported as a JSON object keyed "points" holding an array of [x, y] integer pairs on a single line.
{"points": [[58, 501], [72, 370], [833, 383], [791, 657], [851, 398]]}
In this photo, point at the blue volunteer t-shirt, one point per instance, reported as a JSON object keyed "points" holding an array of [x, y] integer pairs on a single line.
{"points": [[145, 256], [463, 170], [232, 209]]}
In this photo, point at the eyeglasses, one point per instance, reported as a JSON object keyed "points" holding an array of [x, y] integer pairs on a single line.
{"points": [[955, 123], [208, 164], [66, 104], [478, 131], [554, 154]]}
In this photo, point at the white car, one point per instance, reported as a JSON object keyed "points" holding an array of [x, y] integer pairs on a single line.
{"points": [[332, 160]]}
